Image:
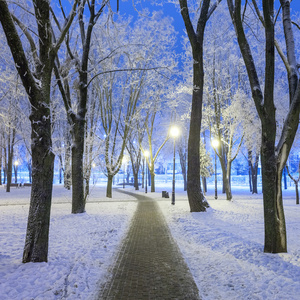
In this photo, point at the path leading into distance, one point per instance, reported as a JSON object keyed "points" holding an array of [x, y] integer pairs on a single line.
{"points": [[149, 264]]}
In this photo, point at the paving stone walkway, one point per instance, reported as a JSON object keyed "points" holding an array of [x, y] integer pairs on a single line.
{"points": [[149, 264]]}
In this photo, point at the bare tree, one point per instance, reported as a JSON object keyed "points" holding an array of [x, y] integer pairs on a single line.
{"points": [[37, 85], [196, 199], [273, 157], [296, 181], [76, 112]]}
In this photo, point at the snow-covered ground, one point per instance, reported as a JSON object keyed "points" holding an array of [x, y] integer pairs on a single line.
{"points": [[223, 247], [81, 247]]}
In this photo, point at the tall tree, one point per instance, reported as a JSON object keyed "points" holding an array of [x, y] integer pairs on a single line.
{"points": [[273, 157], [196, 199], [37, 85], [88, 15]]}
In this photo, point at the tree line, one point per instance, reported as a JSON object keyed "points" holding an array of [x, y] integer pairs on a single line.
{"points": [[100, 86]]}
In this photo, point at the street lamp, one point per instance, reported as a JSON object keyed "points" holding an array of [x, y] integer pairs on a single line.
{"points": [[174, 132], [146, 154], [215, 143]]}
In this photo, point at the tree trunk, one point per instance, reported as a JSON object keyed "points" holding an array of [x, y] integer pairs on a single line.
{"points": [[29, 167], [204, 189], [37, 87], [68, 169], [109, 186], [227, 188], [250, 177], [86, 189], [61, 168], [226, 179], [143, 174], [196, 198], [78, 204], [136, 180], [182, 157], [254, 182], [10, 155], [152, 174], [254, 171], [9, 169], [284, 179], [9, 172], [275, 231], [37, 236], [16, 173], [297, 193]]}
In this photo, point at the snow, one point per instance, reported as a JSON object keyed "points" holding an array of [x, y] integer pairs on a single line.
{"points": [[81, 247], [223, 247]]}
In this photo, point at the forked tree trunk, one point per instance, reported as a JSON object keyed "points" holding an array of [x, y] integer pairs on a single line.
{"points": [[273, 158], [196, 198], [37, 86]]}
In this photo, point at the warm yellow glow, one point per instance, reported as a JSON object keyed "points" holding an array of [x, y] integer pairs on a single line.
{"points": [[16, 163], [146, 153], [125, 159], [215, 143], [93, 165], [174, 131]]}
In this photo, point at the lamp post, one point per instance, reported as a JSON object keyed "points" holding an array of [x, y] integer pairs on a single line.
{"points": [[174, 131], [215, 143], [146, 154]]}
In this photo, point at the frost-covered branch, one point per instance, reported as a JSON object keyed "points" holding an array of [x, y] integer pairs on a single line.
{"points": [[30, 40], [66, 27], [123, 70]]}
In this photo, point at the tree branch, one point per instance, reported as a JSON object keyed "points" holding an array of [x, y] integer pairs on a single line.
{"points": [[123, 70], [66, 27]]}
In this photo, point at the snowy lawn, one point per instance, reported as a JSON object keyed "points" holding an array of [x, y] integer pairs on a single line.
{"points": [[223, 247], [81, 247]]}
